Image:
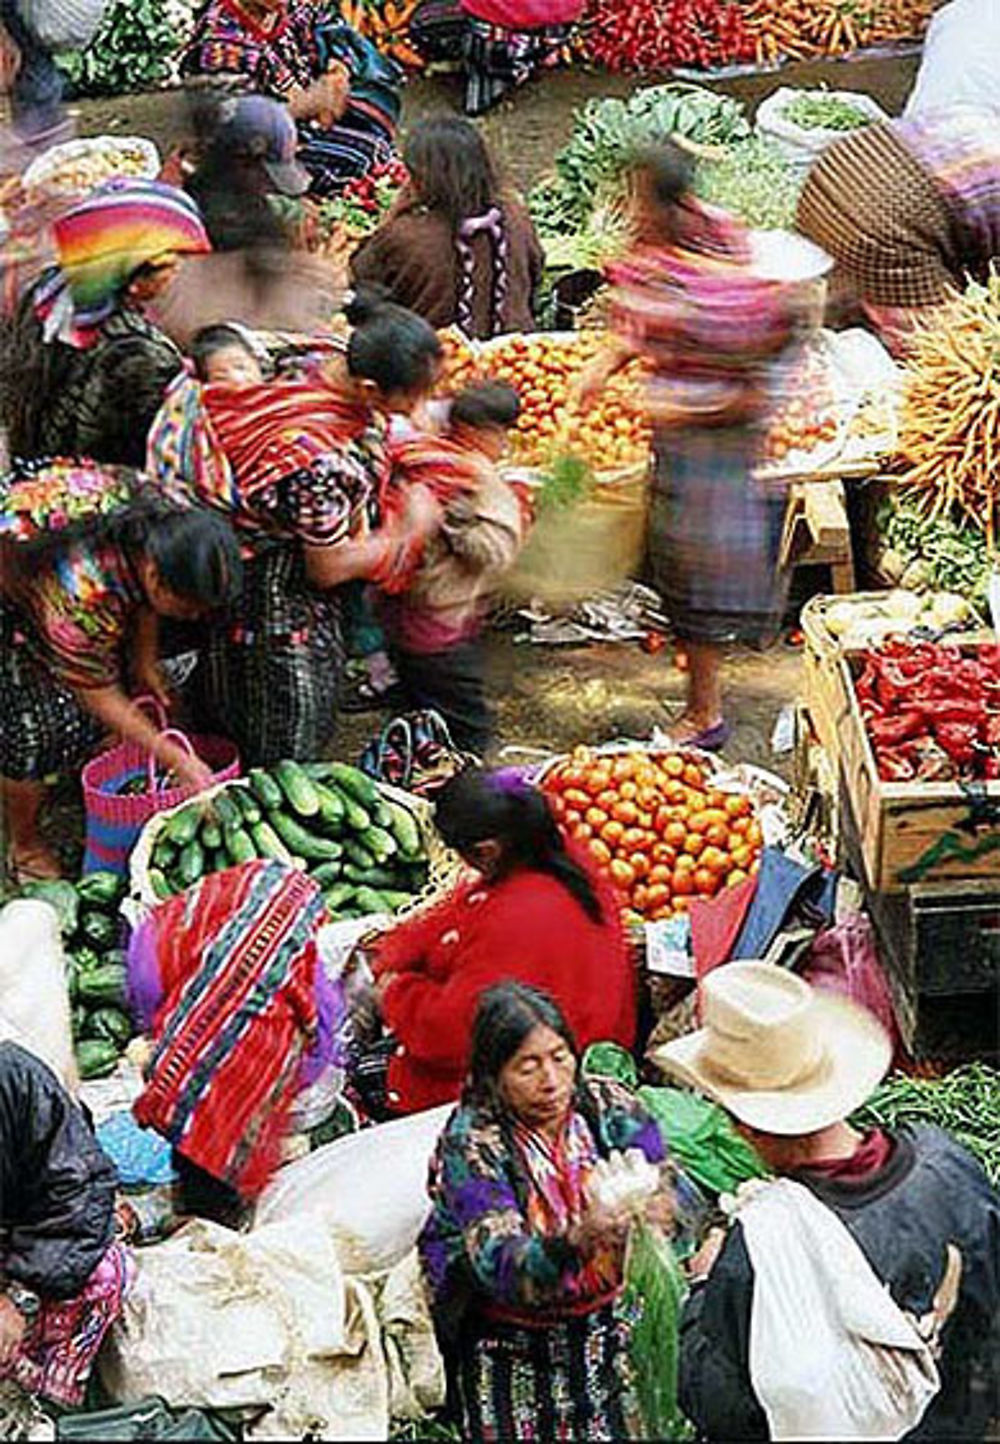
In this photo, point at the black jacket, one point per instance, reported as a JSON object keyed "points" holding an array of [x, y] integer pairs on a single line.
{"points": [[57, 1188], [930, 1193]]}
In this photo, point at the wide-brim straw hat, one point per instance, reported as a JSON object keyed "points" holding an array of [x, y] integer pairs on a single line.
{"points": [[779, 1055]]}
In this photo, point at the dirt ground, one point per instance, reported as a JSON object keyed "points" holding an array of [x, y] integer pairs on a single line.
{"points": [[555, 696]]}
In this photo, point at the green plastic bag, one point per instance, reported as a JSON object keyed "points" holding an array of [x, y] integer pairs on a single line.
{"points": [[699, 1135], [654, 1291]]}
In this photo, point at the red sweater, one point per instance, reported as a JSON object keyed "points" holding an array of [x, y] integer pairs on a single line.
{"points": [[527, 928]]}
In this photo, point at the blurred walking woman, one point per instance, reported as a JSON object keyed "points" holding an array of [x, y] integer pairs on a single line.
{"points": [[687, 300], [78, 630], [523, 1265], [87, 368], [456, 249]]}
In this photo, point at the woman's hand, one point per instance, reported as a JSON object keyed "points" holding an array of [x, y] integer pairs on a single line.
{"points": [[600, 1227], [193, 774], [325, 100], [13, 1327], [150, 682]]}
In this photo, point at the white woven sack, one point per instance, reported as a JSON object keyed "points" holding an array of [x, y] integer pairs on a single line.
{"points": [[803, 146]]}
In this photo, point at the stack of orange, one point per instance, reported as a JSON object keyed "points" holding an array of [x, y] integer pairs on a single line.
{"points": [[655, 822], [543, 369]]}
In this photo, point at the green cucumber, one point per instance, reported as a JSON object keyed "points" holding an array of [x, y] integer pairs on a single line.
{"points": [[381, 813], [367, 900], [102, 889], [356, 852], [355, 816], [297, 787], [302, 843], [269, 844], [96, 1058], [382, 845], [103, 987], [111, 1024], [356, 784], [338, 897], [158, 882], [239, 846], [247, 805], [394, 898], [210, 835], [98, 930], [191, 865], [227, 812], [406, 832], [183, 826], [325, 874], [331, 808], [86, 959], [376, 877], [164, 853], [266, 790]]}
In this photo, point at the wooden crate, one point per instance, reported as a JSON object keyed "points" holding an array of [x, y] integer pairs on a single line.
{"points": [[912, 832], [824, 695]]}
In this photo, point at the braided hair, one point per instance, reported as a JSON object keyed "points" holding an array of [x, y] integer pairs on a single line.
{"points": [[452, 173]]}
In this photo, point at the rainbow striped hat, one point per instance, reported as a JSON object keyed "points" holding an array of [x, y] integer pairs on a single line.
{"points": [[103, 241]]}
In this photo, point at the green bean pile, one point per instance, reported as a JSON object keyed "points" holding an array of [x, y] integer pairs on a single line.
{"points": [[964, 1103]]}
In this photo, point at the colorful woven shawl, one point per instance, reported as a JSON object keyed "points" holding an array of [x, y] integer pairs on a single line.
{"points": [[237, 960]]}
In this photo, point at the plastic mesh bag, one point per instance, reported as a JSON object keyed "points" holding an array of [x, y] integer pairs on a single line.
{"points": [[654, 1291]]}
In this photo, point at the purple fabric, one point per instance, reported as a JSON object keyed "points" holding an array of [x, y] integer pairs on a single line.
{"points": [[330, 1012], [145, 991]]}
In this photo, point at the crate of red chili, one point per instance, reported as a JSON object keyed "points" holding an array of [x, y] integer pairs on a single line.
{"points": [[920, 754]]}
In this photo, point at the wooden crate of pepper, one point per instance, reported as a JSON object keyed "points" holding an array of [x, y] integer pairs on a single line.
{"points": [[920, 761]]}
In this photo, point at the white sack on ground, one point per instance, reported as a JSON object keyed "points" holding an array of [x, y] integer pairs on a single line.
{"points": [[369, 1188], [34, 998], [416, 1369], [228, 1320]]}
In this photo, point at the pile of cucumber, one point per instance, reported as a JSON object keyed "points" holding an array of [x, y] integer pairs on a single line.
{"points": [[363, 849], [91, 930]]}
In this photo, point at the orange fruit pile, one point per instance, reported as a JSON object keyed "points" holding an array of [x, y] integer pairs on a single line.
{"points": [[544, 370], [654, 821]]}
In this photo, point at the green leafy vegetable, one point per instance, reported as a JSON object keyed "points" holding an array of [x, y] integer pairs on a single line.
{"points": [[817, 110], [754, 181], [965, 1103]]}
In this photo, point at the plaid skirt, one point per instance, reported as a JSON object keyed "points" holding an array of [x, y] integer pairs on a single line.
{"points": [[43, 728], [569, 1380], [345, 152], [496, 59], [269, 673], [715, 537]]}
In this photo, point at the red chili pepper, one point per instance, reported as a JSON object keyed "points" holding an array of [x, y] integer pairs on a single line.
{"points": [[959, 739], [895, 766], [891, 731]]}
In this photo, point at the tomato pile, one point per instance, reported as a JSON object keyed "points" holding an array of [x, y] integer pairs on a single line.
{"points": [[543, 369], [809, 416], [654, 821]]}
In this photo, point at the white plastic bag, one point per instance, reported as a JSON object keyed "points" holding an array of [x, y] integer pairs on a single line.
{"points": [[63, 24], [34, 998], [220, 1319], [832, 1356], [370, 1189], [960, 64], [803, 146]]}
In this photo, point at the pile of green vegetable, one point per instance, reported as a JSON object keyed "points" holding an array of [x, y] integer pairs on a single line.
{"points": [[363, 849], [752, 180], [590, 169], [91, 930], [137, 47], [818, 110], [920, 552], [965, 1103]]}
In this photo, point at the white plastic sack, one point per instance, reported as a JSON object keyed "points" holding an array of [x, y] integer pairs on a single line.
{"points": [[416, 1369], [34, 998], [961, 59], [370, 1190], [832, 1356], [801, 146], [63, 24], [229, 1320]]}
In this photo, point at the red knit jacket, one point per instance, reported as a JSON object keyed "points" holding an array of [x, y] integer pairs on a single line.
{"points": [[527, 928]]}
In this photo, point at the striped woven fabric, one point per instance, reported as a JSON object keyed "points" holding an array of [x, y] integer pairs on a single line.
{"points": [[237, 962]]}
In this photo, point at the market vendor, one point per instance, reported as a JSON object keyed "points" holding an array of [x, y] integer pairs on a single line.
{"points": [[456, 248], [63, 1274], [534, 910], [341, 92], [909, 209], [87, 369], [500, 44], [524, 1263], [79, 605], [297, 466], [893, 1232], [226, 979], [688, 301]]}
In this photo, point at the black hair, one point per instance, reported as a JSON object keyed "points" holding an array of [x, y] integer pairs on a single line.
{"points": [[195, 552], [505, 1016], [390, 345], [477, 805], [486, 403], [669, 170], [218, 337], [450, 168]]}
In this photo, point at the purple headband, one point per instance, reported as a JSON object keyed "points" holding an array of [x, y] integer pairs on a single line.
{"points": [[511, 782]]}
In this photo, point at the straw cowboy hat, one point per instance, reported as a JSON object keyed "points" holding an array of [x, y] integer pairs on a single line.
{"points": [[781, 1056]]}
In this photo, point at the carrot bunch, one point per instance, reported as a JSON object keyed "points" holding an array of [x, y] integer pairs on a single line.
{"points": [[804, 29], [387, 23]]}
